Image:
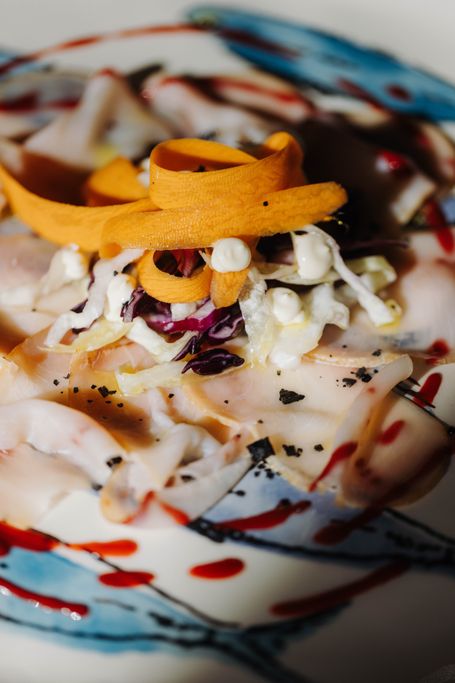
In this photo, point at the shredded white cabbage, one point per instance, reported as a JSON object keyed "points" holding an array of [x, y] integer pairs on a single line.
{"points": [[103, 272], [257, 314]]}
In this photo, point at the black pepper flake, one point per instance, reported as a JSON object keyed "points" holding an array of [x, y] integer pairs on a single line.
{"points": [[89, 400], [61, 392], [319, 447], [115, 460], [260, 450], [287, 396], [93, 386], [56, 382], [200, 168], [107, 402], [260, 422], [96, 487], [67, 376], [292, 451], [363, 375], [344, 346], [226, 401], [104, 391], [377, 352], [115, 272], [119, 405], [265, 203], [75, 390], [348, 382], [170, 395], [186, 478]]}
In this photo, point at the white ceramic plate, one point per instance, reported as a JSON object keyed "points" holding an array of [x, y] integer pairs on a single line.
{"points": [[378, 605]]}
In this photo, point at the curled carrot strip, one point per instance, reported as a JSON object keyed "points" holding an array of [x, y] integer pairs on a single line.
{"points": [[200, 226], [115, 183], [63, 223], [242, 178], [169, 288], [225, 287]]}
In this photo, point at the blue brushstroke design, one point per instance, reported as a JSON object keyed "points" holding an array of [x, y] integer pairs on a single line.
{"points": [[138, 620], [323, 59], [388, 536]]}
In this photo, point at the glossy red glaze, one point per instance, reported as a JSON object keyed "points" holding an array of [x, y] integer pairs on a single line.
{"points": [[436, 220], [339, 596], [119, 548], [44, 600], [221, 569], [124, 579], [389, 435], [35, 541], [338, 530], [429, 389], [265, 520], [341, 453]]}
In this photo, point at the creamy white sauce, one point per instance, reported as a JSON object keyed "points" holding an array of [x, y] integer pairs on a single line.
{"points": [[286, 305], [313, 256], [230, 255]]}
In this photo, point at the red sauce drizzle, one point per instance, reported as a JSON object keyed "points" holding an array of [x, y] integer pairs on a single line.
{"points": [[341, 453], [92, 40], [44, 600], [338, 530], [249, 86], [437, 350], [389, 435], [337, 596], [393, 162], [265, 520], [357, 91], [436, 220], [177, 515], [122, 579], [398, 92], [429, 390], [119, 548], [221, 569], [35, 541]]}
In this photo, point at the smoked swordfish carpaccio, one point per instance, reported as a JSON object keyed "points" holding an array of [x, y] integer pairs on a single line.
{"points": [[200, 273]]}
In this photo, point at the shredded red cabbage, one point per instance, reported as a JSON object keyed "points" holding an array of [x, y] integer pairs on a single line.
{"points": [[213, 362]]}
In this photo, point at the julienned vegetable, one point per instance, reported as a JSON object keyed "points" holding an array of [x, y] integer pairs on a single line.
{"points": [[236, 195]]}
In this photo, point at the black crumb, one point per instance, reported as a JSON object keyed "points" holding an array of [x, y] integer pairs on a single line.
{"points": [[67, 376], [115, 272], [319, 447], [292, 451], [56, 382], [115, 460], [278, 372], [287, 396], [170, 395], [261, 422], [119, 405], [89, 400], [200, 168], [260, 450], [363, 375], [96, 487], [107, 402], [75, 390], [93, 386], [348, 382], [104, 391], [377, 352], [265, 203], [344, 346], [226, 401]]}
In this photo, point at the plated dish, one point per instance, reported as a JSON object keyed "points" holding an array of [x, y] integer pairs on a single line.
{"points": [[225, 290]]}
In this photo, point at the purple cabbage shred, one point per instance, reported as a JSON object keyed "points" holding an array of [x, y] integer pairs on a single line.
{"points": [[213, 362]]}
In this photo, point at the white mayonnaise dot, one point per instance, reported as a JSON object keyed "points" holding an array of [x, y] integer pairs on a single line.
{"points": [[181, 311], [118, 293], [313, 256], [286, 305], [230, 255]]}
